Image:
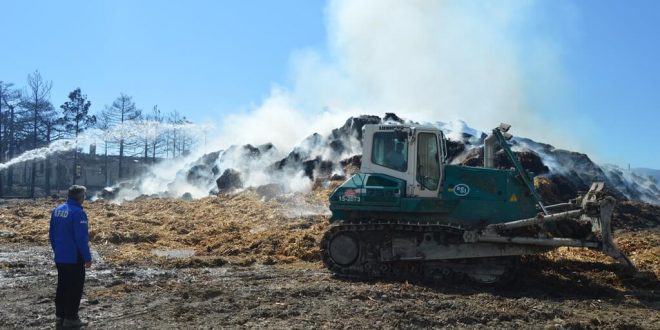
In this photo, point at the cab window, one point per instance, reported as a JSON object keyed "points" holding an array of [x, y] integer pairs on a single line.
{"points": [[390, 149], [428, 161]]}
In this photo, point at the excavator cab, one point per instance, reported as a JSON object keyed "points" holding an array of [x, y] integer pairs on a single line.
{"points": [[414, 154]]}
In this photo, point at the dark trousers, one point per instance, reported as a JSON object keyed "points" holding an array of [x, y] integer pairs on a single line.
{"points": [[70, 281]]}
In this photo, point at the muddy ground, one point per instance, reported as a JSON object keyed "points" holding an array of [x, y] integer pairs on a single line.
{"points": [[240, 261]]}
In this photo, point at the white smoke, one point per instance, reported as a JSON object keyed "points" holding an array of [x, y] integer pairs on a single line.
{"points": [[126, 131], [554, 166], [159, 179], [428, 60], [457, 130], [40, 153], [633, 185], [280, 120], [425, 60]]}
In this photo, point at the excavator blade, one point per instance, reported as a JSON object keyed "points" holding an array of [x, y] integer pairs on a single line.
{"points": [[602, 223], [593, 207]]}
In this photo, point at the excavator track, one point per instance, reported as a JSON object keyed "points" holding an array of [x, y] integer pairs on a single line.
{"points": [[364, 251]]}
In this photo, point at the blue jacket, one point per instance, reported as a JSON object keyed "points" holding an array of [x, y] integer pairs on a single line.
{"points": [[68, 233]]}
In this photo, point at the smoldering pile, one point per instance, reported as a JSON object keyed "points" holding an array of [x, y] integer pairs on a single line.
{"points": [[560, 175], [318, 160]]}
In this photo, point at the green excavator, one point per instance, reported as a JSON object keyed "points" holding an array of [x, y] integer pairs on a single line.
{"points": [[409, 214]]}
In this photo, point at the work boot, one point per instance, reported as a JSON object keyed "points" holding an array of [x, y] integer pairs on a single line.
{"points": [[58, 323], [73, 324]]}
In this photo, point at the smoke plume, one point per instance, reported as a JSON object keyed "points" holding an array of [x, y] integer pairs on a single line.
{"points": [[431, 61], [428, 60]]}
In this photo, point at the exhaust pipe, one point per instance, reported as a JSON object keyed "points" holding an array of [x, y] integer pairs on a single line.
{"points": [[489, 151]]}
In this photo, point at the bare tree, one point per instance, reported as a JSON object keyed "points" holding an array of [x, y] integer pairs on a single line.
{"points": [[158, 140], [76, 120], [52, 127], [178, 139], [174, 119], [104, 124], [187, 141], [121, 113], [9, 99], [151, 134], [35, 102]]}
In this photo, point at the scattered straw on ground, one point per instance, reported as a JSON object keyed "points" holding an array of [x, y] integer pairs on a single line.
{"points": [[243, 229], [239, 228]]}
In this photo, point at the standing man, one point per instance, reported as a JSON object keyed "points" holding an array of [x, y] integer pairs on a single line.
{"points": [[69, 239]]}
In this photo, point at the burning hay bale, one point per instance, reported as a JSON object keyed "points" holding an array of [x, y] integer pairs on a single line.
{"points": [[633, 215], [547, 189], [107, 193], [270, 191], [528, 159], [352, 164], [229, 181], [201, 174], [187, 196]]}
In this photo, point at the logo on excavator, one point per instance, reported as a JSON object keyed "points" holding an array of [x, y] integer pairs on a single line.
{"points": [[461, 189], [350, 195]]}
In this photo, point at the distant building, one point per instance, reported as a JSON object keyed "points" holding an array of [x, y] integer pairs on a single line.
{"points": [[56, 173]]}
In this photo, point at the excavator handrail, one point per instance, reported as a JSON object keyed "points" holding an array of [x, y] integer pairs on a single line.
{"points": [[516, 163]]}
